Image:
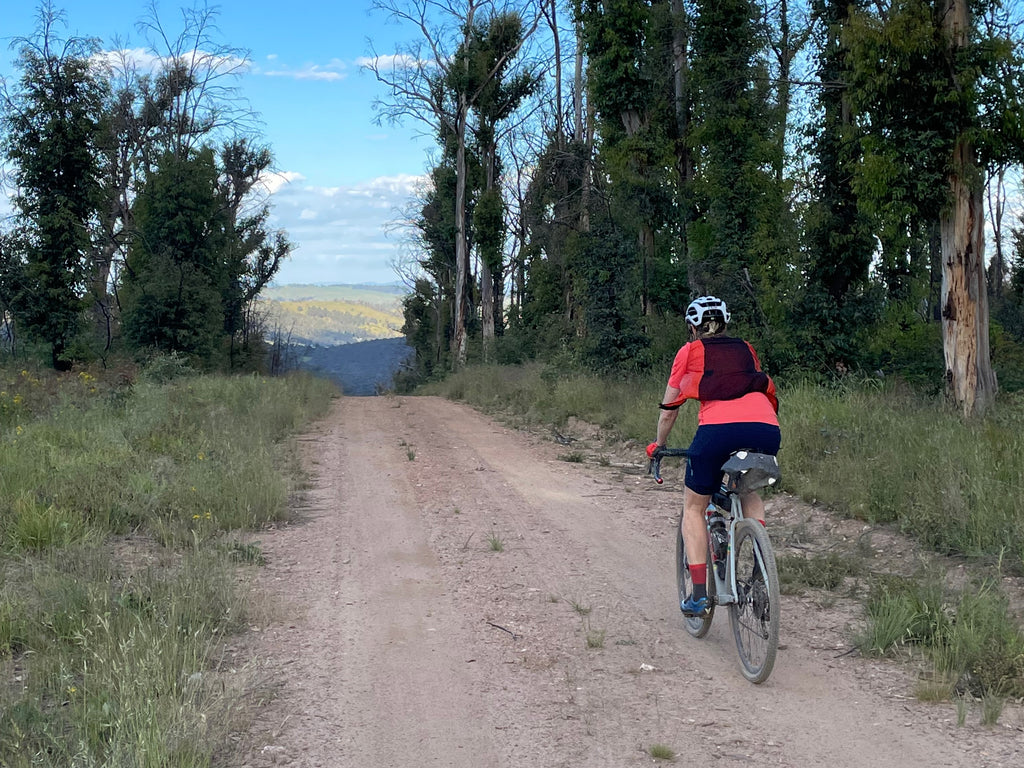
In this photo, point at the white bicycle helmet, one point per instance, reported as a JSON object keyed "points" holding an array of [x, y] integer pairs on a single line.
{"points": [[705, 305]]}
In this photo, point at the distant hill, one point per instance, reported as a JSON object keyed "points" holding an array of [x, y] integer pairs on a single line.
{"points": [[366, 368], [329, 315]]}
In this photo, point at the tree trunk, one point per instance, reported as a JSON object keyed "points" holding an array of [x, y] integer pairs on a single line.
{"points": [[559, 121], [969, 375], [459, 340], [486, 308], [577, 101]]}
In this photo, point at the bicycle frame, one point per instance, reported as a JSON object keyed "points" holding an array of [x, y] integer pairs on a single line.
{"points": [[725, 588]]}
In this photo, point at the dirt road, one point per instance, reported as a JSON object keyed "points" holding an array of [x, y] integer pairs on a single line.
{"points": [[457, 595]]}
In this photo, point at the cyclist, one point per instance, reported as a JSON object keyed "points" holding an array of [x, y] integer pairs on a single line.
{"points": [[738, 411]]}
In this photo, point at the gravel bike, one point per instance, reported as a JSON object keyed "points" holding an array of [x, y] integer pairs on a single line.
{"points": [[740, 562]]}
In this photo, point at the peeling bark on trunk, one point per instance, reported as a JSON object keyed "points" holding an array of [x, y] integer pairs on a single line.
{"points": [[969, 375]]}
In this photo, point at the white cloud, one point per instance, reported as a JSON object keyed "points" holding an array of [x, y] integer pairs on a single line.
{"points": [[344, 233], [332, 71], [144, 60], [392, 62], [276, 181]]}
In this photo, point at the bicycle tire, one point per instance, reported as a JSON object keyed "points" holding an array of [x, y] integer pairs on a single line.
{"points": [[697, 626], [754, 617]]}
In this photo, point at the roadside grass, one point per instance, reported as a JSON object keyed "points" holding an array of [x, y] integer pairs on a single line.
{"points": [[975, 646], [828, 572], [120, 512], [661, 752], [495, 543], [867, 449]]}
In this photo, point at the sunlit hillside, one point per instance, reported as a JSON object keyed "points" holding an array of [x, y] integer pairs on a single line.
{"points": [[334, 314]]}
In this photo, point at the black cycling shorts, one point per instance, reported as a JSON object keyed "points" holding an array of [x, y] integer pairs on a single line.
{"points": [[712, 444]]}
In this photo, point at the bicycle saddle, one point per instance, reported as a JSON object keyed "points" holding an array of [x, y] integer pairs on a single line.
{"points": [[747, 471]]}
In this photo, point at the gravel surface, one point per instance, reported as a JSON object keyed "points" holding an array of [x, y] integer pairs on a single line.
{"points": [[456, 594]]}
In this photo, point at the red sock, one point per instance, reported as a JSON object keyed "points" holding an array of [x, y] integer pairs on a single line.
{"points": [[699, 573]]}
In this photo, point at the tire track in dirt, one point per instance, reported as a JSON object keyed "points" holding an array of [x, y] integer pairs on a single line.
{"points": [[407, 639]]}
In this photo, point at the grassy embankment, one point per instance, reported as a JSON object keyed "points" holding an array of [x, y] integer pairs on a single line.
{"points": [[122, 509], [872, 451]]}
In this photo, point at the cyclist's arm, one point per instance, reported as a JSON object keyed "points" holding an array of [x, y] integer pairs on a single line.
{"points": [[667, 418]]}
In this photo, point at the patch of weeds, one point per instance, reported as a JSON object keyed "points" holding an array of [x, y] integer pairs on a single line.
{"points": [[963, 706], [969, 636], [826, 572], [604, 461], [991, 708], [933, 689], [582, 610], [595, 638], [574, 457], [661, 752], [411, 454], [625, 641], [495, 543], [36, 527], [250, 554]]}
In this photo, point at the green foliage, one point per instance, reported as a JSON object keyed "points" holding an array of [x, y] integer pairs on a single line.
{"points": [[49, 137], [175, 276], [733, 121], [904, 345], [606, 287]]}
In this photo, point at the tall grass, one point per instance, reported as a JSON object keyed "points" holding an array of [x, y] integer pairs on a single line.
{"points": [[886, 455], [116, 585]]}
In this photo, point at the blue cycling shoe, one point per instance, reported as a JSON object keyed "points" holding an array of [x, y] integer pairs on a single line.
{"points": [[694, 607]]}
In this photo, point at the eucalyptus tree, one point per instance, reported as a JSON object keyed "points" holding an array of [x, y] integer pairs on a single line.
{"points": [[420, 78], [937, 115], [175, 277], [739, 202], [500, 94], [629, 80], [254, 250], [840, 242], [51, 126]]}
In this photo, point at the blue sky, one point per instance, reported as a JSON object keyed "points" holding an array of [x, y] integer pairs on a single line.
{"points": [[344, 180]]}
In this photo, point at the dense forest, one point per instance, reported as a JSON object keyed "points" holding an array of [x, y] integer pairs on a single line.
{"points": [[843, 173], [140, 220]]}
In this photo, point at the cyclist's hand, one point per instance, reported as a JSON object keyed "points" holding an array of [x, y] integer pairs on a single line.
{"points": [[651, 449]]}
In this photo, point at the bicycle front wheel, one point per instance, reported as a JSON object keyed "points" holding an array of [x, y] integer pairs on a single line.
{"points": [[697, 626], [755, 615]]}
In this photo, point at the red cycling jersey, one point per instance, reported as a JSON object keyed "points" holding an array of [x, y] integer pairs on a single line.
{"points": [[725, 375]]}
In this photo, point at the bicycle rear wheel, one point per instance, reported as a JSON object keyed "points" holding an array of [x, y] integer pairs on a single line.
{"points": [[697, 626], [754, 617]]}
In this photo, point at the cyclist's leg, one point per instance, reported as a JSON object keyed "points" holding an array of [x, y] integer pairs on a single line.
{"points": [[695, 541], [753, 506], [703, 474], [695, 534]]}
